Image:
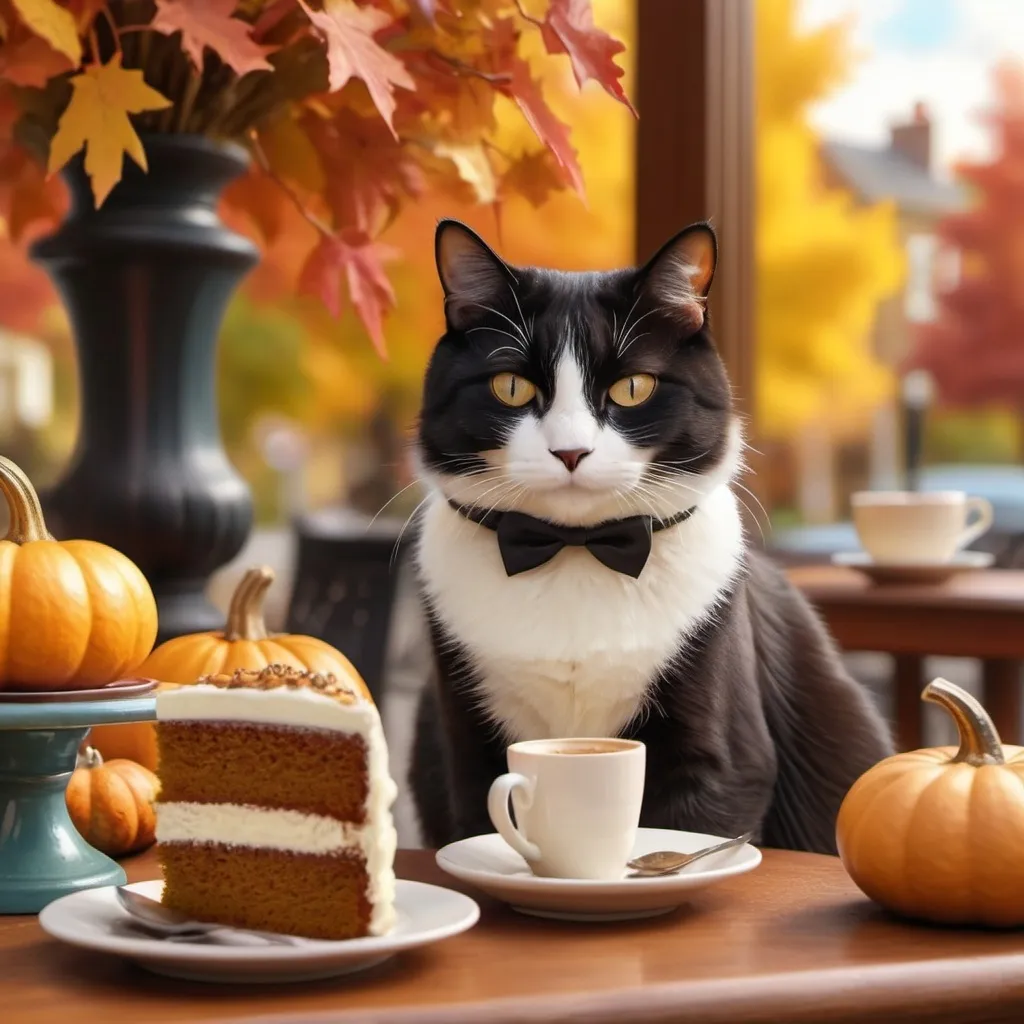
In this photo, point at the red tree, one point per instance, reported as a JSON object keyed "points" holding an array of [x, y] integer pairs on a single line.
{"points": [[975, 348]]}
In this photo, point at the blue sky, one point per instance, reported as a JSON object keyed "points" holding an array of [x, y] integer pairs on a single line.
{"points": [[917, 25], [939, 52]]}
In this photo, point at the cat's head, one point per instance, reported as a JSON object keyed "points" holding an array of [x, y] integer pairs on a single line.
{"points": [[577, 397]]}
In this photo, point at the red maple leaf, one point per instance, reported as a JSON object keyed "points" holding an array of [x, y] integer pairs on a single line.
{"points": [[31, 61], [552, 132], [355, 255], [353, 52], [368, 171], [209, 23], [569, 28]]}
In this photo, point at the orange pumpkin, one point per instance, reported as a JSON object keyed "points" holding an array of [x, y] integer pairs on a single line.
{"points": [[938, 833], [244, 643], [111, 804], [74, 614]]}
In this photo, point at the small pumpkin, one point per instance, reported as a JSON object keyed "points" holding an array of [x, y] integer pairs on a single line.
{"points": [[938, 833], [111, 803], [74, 614], [243, 643]]}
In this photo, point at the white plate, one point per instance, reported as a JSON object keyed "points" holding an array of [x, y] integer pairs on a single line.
{"points": [[917, 572], [491, 865], [93, 919]]}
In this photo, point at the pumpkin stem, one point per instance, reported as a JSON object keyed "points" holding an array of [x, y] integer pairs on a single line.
{"points": [[979, 741], [245, 616], [26, 513], [89, 757]]}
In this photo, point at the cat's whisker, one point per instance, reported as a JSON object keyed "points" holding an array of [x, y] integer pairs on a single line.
{"points": [[625, 323], [497, 330], [625, 342], [505, 348], [394, 497], [509, 320], [636, 337], [401, 533], [520, 308]]}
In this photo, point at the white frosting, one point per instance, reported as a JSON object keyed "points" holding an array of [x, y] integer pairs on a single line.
{"points": [[284, 829]]}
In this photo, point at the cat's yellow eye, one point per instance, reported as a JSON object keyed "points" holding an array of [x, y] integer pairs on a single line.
{"points": [[634, 390], [511, 389]]}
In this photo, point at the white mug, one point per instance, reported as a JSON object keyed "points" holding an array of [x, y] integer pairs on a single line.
{"points": [[918, 527], [577, 805]]}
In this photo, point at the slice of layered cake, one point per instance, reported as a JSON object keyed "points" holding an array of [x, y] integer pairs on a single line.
{"points": [[275, 804]]}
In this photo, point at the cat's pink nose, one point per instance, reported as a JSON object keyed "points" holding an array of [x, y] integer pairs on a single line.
{"points": [[571, 457]]}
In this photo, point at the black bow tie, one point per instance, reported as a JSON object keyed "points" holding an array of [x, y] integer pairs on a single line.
{"points": [[526, 542]]}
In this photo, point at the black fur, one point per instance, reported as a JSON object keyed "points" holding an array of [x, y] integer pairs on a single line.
{"points": [[756, 725]]}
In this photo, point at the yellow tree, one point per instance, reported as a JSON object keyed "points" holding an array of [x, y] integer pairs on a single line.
{"points": [[823, 262]]}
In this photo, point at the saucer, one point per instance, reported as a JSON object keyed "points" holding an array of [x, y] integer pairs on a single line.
{"points": [[915, 572], [118, 690], [93, 919], [488, 863]]}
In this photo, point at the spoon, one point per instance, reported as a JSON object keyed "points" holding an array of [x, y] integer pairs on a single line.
{"points": [[668, 862], [155, 917]]}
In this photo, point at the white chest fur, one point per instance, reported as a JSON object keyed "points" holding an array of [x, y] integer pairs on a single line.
{"points": [[571, 648]]}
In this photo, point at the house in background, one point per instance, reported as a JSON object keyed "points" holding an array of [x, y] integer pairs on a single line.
{"points": [[900, 172]]}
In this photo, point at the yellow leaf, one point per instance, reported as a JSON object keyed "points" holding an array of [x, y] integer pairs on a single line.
{"points": [[473, 166], [97, 118], [55, 24]]}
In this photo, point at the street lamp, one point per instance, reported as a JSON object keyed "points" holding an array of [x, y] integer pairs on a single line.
{"points": [[918, 395]]}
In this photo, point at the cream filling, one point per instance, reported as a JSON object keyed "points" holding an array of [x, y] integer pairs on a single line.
{"points": [[293, 832]]}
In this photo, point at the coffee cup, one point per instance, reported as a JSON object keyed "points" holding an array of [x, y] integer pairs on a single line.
{"points": [[918, 528], [576, 802]]}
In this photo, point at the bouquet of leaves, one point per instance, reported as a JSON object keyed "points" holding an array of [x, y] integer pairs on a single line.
{"points": [[349, 109]]}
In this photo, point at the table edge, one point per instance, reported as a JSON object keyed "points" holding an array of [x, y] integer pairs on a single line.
{"points": [[794, 996]]}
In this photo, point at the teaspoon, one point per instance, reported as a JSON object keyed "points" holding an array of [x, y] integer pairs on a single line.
{"points": [[155, 917], [667, 862]]}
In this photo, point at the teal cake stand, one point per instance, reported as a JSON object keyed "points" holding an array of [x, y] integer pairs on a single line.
{"points": [[42, 856]]}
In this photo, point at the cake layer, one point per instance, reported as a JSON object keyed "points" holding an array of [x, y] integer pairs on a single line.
{"points": [[271, 890], [302, 769]]}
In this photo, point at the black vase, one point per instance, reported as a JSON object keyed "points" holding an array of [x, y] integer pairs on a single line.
{"points": [[146, 279]]}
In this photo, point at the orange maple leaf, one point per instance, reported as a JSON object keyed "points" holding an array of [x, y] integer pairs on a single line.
{"points": [[31, 61], [552, 132], [361, 260], [96, 119], [353, 52], [569, 28], [209, 23]]}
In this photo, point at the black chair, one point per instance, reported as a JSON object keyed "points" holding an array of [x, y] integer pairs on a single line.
{"points": [[345, 580]]}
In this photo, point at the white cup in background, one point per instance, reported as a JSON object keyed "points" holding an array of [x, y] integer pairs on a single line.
{"points": [[577, 805], [918, 528]]}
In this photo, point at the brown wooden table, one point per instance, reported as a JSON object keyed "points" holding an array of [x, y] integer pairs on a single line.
{"points": [[976, 615], [792, 942]]}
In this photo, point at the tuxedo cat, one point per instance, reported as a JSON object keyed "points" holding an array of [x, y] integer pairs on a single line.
{"points": [[583, 564]]}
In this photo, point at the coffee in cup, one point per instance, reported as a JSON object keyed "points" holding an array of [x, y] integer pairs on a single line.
{"points": [[576, 802], [918, 528]]}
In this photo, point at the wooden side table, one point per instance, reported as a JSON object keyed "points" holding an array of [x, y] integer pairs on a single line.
{"points": [[976, 615]]}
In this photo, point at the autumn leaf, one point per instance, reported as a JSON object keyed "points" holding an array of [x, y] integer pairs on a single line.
{"points": [[209, 23], [366, 170], [352, 52], [353, 254], [552, 132], [97, 118], [48, 19], [534, 176], [473, 166], [261, 200], [31, 62], [569, 28]]}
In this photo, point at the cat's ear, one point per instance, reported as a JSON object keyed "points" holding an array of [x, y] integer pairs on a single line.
{"points": [[472, 274], [678, 276]]}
